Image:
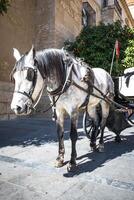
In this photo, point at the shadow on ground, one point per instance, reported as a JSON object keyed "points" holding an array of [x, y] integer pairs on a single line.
{"points": [[29, 131], [93, 160]]}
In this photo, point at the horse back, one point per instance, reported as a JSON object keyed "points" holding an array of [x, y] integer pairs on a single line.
{"points": [[103, 80]]}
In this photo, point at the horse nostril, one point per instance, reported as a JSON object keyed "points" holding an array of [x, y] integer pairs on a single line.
{"points": [[18, 108]]}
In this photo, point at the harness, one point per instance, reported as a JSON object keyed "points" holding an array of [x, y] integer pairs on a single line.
{"points": [[68, 82], [89, 91], [63, 88]]}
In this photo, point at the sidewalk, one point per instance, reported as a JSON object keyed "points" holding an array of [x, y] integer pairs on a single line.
{"points": [[28, 149]]}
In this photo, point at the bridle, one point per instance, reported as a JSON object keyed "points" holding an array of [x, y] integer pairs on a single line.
{"points": [[34, 80], [29, 95]]}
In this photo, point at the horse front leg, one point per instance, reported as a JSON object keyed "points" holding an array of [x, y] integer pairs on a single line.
{"points": [[60, 133], [73, 137]]}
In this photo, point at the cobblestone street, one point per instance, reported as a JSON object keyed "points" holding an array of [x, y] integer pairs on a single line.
{"points": [[28, 149]]}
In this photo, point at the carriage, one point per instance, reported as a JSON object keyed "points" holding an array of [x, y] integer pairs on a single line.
{"points": [[122, 110]]}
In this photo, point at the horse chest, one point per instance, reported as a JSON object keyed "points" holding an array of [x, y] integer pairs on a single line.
{"points": [[72, 99]]}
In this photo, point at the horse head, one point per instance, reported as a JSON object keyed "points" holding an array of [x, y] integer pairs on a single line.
{"points": [[28, 82]]}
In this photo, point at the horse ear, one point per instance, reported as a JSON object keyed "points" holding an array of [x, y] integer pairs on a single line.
{"points": [[30, 56], [16, 54], [34, 52], [31, 53]]}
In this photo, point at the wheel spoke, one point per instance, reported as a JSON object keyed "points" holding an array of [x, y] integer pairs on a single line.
{"points": [[87, 125]]}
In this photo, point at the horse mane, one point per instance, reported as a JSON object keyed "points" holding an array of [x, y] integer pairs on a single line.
{"points": [[59, 60], [53, 61]]}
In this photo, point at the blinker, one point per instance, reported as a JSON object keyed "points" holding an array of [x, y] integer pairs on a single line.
{"points": [[30, 74]]}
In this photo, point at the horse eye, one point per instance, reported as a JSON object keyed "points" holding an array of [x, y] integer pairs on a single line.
{"points": [[30, 75]]}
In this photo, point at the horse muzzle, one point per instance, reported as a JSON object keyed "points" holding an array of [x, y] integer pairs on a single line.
{"points": [[19, 110]]}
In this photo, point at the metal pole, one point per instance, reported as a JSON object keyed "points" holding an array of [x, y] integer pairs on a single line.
{"points": [[111, 68]]}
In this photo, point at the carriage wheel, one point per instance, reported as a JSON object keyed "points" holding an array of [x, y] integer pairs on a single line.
{"points": [[87, 125]]}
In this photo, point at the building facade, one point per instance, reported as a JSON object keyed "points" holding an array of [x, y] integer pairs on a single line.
{"points": [[108, 11], [131, 6], [49, 24]]}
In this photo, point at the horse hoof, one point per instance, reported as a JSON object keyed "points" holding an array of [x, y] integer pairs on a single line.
{"points": [[101, 148], [59, 163], [71, 167], [93, 147]]}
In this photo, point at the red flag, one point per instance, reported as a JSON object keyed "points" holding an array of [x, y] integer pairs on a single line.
{"points": [[117, 47]]}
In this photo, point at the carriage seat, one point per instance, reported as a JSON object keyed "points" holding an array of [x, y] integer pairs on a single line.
{"points": [[128, 74], [126, 83]]}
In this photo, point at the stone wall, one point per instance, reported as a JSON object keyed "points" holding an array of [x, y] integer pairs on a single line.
{"points": [[6, 90], [26, 23], [16, 30], [44, 22], [68, 20]]}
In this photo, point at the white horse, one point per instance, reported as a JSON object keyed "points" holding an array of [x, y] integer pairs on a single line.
{"points": [[70, 82]]}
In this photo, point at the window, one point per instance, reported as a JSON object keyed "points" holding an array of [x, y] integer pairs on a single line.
{"points": [[88, 15], [105, 3], [84, 17]]}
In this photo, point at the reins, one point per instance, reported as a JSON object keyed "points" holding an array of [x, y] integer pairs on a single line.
{"points": [[69, 82], [58, 92], [107, 99], [104, 96]]}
